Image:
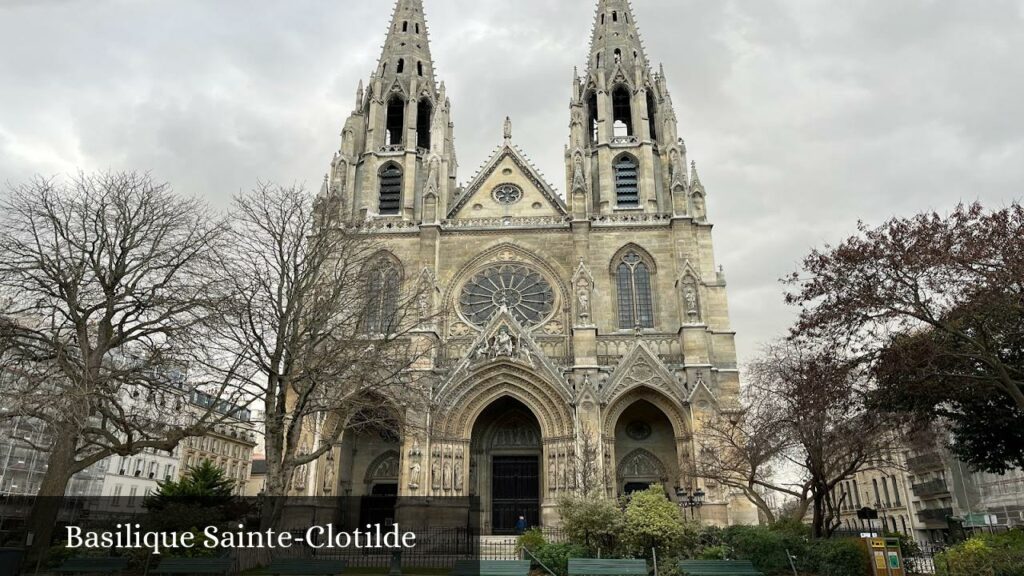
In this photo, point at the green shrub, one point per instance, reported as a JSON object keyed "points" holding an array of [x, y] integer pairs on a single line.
{"points": [[719, 552], [653, 521], [594, 523], [765, 548], [556, 556], [839, 557], [532, 539], [985, 554]]}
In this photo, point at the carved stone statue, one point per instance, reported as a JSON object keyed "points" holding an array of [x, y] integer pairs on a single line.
{"points": [[435, 473], [698, 206], [503, 345], [690, 296], [579, 183], [414, 476], [508, 128], [329, 473], [446, 475], [458, 473], [583, 300]]}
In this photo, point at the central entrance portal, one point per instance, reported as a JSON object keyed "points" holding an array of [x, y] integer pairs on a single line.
{"points": [[505, 468], [515, 491]]}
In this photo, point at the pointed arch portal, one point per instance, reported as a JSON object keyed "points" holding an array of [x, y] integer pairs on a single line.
{"points": [[505, 465]]}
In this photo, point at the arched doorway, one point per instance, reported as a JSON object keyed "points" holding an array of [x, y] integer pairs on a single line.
{"points": [[369, 467], [645, 448], [505, 465]]}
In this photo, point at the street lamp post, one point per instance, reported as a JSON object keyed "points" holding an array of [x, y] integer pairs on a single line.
{"points": [[688, 500]]}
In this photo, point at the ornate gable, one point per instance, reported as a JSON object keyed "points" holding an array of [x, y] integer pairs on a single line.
{"points": [[641, 367], [504, 339], [508, 185]]}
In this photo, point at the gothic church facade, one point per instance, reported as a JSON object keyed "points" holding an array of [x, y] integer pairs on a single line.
{"points": [[595, 319]]}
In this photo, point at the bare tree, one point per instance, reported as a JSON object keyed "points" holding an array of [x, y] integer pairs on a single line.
{"points": [[325, 321], [804, 428], [817, 396], [591, 477], [107, 296], [745, 449]]}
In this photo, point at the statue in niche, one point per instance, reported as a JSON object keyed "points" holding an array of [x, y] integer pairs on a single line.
{"points": [[579, 182], [561, 471], [552, 474], [435, 472], [299, 475], [583, 299], [329, 473], [676, 167], [698, 206], [414, 475], [690, 297], [446, 475], [458, 473]]}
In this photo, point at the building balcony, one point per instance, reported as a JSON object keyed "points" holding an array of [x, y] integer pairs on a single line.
{"points": [[931, 488], [935, 514], [624, 141]]}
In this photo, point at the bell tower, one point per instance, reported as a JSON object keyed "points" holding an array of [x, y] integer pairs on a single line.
{"points": [[396, 160], [624, 154]]}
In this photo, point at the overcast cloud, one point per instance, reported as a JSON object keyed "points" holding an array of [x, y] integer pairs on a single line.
{"points": [[803, 116]]}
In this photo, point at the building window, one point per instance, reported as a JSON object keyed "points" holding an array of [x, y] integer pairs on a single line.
{"points": [[401, 65], [592, 115], [424, 110], [394, 122], [622, 113], [419, 68], [633, 284], [651, 109], [382, 289], [627, 186], [895, 491], [390, 190], [405, 28]]}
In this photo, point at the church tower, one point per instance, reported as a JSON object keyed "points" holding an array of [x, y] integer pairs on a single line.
{"points": [[624, 154], [396, 160], [578, 342]]}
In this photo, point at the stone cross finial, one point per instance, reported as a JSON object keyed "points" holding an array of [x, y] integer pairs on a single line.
{"points": [[508, 128]]}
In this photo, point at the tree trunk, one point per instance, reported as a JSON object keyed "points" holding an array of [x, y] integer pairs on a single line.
{"points": [[48, 502]]}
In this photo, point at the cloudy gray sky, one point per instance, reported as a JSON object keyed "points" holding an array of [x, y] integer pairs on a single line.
{"points": [[803, 116]]}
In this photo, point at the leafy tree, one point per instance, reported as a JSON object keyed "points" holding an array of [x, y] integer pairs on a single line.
{"points": [[593, 522], [205, 482], [934, 304], [202, 497], [928, 374], [654, 521]]}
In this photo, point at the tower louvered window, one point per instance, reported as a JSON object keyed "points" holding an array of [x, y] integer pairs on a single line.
{"points": [[390, 190], [633, 287], [627, 191]]}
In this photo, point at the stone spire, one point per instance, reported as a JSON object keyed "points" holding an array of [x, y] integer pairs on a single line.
{"points": [[615, 41], [406, 51]]}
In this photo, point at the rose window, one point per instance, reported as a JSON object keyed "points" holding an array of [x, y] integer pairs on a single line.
{"points": [[507, 193], [526, 294]]}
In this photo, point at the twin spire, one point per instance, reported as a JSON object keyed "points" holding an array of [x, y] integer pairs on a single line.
{"points": [[406, 51], [615, 40]]}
